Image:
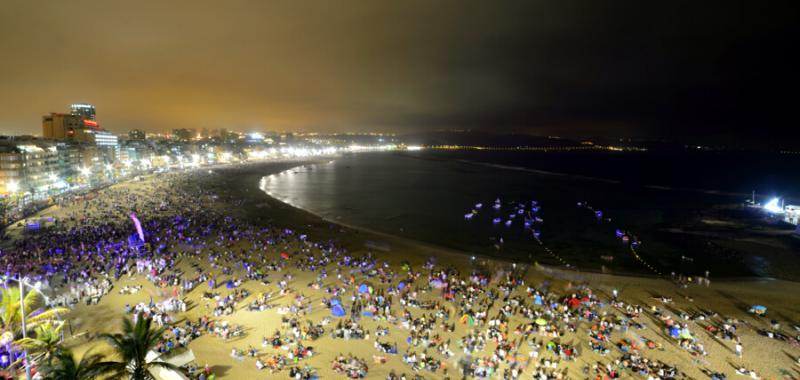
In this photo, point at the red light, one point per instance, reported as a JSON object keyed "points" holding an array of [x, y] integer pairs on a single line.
{"points": [[90, 123]]}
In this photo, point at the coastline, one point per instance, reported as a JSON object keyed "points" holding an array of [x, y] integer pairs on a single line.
{"points": [[407, 242]]}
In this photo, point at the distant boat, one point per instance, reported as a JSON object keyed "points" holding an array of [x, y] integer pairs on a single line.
{"points": [[497, 206], [508, 223], [478, 205], [496, 220], [468, 216], [521, 211]]}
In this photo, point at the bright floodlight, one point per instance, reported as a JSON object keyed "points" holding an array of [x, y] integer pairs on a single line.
{"points": [[12, 186], [773, 206], [85, 171]]}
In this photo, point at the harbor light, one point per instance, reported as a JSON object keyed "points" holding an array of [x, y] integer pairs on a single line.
{"points": [[773, 206]]}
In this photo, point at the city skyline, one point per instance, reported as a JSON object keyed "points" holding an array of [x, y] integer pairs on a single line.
{"points": [[720, 72]]}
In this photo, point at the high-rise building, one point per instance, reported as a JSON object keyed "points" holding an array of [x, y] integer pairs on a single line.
{"points": [[137, 134], [61, 126], [80, 126], [86, 111]]}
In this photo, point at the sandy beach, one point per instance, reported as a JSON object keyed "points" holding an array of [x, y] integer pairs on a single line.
{"points": [[235, 192]]}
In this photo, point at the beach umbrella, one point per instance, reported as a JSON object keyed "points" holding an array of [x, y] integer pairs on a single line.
{"points": [[438, 284], [336, 301], [674, 332], [285, 255], [537, 300], [759, 309], [338, 311], [401, 285], [230, 284], [540, 322], [363, 288]]}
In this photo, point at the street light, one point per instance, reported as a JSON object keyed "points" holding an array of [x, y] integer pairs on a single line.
{"points": [[85, 171], [12, 186]]}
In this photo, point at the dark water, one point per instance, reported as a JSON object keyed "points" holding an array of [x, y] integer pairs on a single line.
{"points": [[424, 196]]}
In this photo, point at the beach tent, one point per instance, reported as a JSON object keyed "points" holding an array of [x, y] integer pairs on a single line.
{"points": [[230, 284], [337, 311], [674, 332], [537, 300], [759, 309], [364, 288], [336, 301], [401, 285]]}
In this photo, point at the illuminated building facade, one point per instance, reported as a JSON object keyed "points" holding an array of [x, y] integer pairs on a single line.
{"points": [[86, 111]]}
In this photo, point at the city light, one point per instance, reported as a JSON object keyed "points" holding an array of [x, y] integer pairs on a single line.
{"points": [[12, 186], [85, 171]]}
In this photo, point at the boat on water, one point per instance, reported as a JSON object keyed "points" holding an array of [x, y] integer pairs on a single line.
{"points": [[497, 206], [508, 223], [478, 205], [468, 216], [496, 221]]}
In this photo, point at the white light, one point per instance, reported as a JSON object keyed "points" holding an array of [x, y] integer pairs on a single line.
{"points": [[12, 186], [773, 206], [414, 147], [85, 171]]}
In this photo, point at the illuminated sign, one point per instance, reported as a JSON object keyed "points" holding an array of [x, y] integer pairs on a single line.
{"points": [[90, 123]]}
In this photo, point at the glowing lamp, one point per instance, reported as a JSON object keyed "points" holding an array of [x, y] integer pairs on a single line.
{"points": [[773, 206]]}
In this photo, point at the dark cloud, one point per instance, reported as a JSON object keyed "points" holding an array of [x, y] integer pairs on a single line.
{"points": [[643, 69]]}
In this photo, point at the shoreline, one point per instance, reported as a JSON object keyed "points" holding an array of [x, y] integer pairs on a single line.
{"points": [[429, 245]]}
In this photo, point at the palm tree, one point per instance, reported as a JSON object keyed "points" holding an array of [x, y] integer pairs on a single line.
{"points": [[46, 340], [36, 312], [64, 366], [132, 346]]}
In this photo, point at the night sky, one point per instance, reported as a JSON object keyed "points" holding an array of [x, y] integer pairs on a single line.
{"points": [[697, 70]]}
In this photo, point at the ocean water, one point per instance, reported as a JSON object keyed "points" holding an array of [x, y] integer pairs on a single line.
{"points": [[425, 196]]}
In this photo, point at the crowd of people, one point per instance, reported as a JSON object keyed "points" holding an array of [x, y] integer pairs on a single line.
{"points": [[482, 320]]}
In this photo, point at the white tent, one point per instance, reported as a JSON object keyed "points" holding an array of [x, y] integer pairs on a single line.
{"points": [[181, 359]]}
